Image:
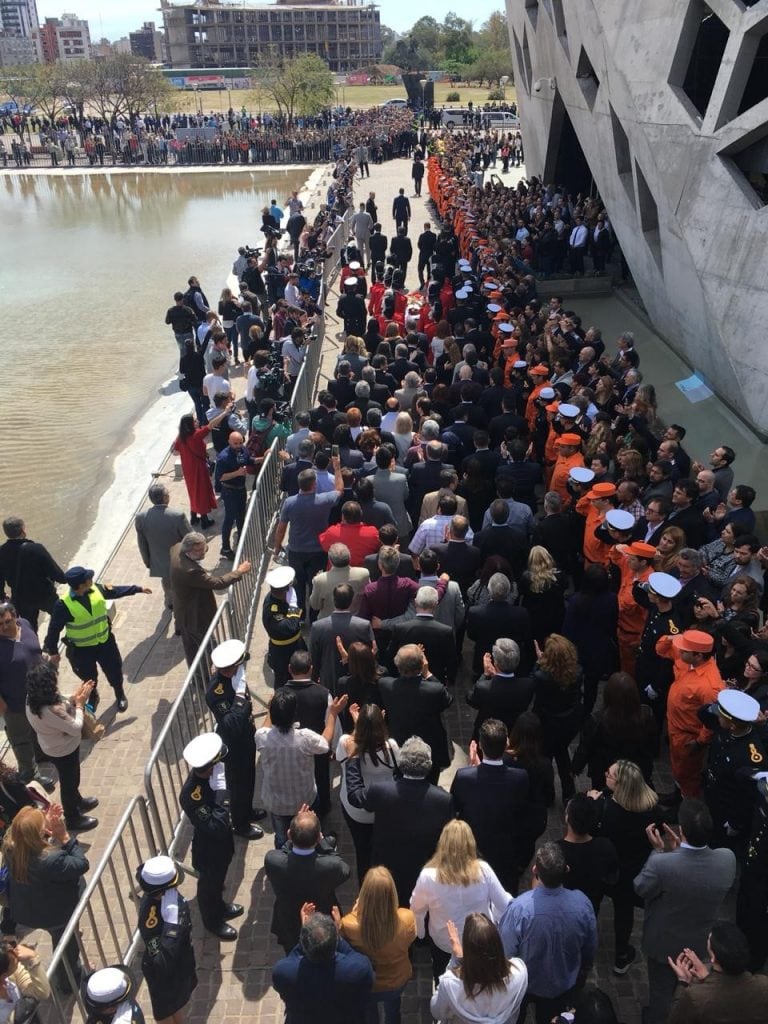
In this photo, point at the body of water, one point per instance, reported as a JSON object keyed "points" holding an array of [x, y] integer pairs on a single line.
{"points": [[89, 267]]}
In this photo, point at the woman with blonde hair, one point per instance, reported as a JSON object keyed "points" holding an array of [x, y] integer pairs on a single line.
{"points": [[383, 932], [403, 435], [354, 422], [480, 984], [542, 592], [559, 703], [626, 807], [671, 543], [454, 883], [45, 881], [632, 465]]}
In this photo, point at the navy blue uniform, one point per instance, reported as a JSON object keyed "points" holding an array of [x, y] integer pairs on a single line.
{"points": [[212, 844], [234, 723], [168, 964]]}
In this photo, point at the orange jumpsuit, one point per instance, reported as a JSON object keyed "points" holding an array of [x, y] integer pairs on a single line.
{"points": [[691, 689], [560, 473], [594, 550], [530, 408], [632, 617]]}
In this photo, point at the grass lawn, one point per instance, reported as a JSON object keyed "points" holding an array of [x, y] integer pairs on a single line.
{"points": [[356, 96]]}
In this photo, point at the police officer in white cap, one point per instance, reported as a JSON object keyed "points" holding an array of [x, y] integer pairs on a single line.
{"points": [[205, 801], [653, 673], [230, 702], [351, 308], [737, 756], [281, 618], [165, 924], [108, 995]]}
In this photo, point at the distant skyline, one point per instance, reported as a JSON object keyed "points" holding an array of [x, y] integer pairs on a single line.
{"points": [[113, 20]]}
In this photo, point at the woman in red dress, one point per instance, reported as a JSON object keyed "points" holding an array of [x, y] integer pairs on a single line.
{"points": [[191, 444]]}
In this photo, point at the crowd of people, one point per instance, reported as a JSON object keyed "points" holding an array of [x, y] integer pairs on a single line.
{"points": [[487, 482]]}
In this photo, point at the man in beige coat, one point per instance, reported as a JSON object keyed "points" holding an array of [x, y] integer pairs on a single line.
{"points": [[321, 598], [192, 587]]}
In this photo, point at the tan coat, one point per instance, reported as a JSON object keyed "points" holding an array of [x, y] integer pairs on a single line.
{"points": [[194, 605], [429, 504], [321, 598]]}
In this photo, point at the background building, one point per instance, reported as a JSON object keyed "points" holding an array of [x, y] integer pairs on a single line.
{"points": [[64, 38], [148, 42], [18, 17], [664, 105], [212, 34], [16, 50]]}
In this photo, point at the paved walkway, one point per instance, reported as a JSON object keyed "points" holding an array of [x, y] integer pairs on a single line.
{"points": [[236, 977]]}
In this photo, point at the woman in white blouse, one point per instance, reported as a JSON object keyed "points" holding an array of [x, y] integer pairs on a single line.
{"points": [[454, 883]]}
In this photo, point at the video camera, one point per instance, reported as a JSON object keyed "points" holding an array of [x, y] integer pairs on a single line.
{"points": [[251, 251]]}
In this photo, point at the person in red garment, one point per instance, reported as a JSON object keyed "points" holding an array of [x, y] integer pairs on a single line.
{"points": [[191, 444]]}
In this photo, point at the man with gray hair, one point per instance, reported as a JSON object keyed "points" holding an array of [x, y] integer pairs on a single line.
{"points": [[410, 813], [289, 478], [192, 589], [323, 971], [158, 528], [424, 630], [415, 700], [499, 692], [555, 533], [321, 598], [499, 617]]}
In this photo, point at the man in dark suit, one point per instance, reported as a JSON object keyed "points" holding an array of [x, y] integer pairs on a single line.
{"points": [[651, 526], [340, 623], [491, 797], [487, 622], [683, 887], [435, 637], [685, 514], [306, 870], [312, 701], [410, 814], [459, 559], [401, 364], [425, 476], [555, 532], [343, 387], [401, 211], [501, 539], [524, 475], [509, 418], [289, 478], [414, 703], [499, 693], [426, 245], [388, 536]]}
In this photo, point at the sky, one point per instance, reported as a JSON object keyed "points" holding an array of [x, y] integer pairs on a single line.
{"points": [[114, 19]]}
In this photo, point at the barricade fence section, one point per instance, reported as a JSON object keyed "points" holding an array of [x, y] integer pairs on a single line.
{"points": [[103, 926], [333, 247]]}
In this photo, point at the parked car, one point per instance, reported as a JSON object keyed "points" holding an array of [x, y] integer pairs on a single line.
{"points": [[396, 101], [500, 120]]}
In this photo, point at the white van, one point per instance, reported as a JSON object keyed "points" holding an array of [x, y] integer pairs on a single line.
{"points": [[453, 117], [500, 120]]}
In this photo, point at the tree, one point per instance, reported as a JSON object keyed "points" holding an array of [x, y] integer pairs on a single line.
{"points": [[457, 39], [299, 87], [23, 85], [124, 85]]}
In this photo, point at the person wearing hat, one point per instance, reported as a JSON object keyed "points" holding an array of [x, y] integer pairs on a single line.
{"points": [[88, 638], [351, 307], [737, 756], [539, 376], [653, 673], [568, 457], [165, 924], [205, 801], [696, 682], [594, 506], [108, 996], [230, 702], [634, 564], [281, 618]]}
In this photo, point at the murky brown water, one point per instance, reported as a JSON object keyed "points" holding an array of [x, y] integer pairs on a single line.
{"points": [[88, 267]]}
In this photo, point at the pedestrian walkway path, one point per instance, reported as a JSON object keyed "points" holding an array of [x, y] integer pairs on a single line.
{"points": [[235, 978]]}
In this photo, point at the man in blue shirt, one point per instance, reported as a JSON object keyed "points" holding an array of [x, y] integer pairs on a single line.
{"points": [[231, 469], [308, 513], [553, 929]]}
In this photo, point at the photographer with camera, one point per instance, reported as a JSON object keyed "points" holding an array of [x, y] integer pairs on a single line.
{"points": [[252, 283]]}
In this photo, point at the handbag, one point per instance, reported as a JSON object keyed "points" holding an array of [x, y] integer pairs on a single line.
{"points": [[93, 730]]}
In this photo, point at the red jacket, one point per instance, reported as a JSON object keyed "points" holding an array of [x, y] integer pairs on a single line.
{"points": [[360, 539]]}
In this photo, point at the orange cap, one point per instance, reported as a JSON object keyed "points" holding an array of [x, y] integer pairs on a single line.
{"points": [[606, 490], [572, 439], [640, 549], [694, 640]]}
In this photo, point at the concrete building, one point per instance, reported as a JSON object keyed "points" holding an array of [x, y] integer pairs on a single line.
{"points": [[18, 17], [664, 105], [15, 50], [64, 38], [148, 42], [212, 34]]}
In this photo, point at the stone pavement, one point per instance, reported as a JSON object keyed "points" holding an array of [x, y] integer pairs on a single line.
{"points": [[235, 978]]}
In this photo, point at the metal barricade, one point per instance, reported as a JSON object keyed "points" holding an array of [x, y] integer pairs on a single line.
{"points": [[103, 924]]}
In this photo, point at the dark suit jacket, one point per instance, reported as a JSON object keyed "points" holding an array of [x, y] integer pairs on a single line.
{"points": [[322, 643], [487, 622], [289, 478], [406, 567], [501, 697], [507, 541], [414, 707], [492, 800], [692, 523], [555, 534], [343, 390], [439, 645], [410, 815], [296, 879], [461, 561]]}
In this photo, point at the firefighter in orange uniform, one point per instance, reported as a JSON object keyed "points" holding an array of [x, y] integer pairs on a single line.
{"points": [[635, 564]]}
